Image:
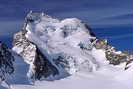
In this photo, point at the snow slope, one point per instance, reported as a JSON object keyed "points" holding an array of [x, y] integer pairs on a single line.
{"points": [[104, 78]]}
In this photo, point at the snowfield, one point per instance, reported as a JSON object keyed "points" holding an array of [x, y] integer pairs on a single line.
{"points": [[108, 77]]}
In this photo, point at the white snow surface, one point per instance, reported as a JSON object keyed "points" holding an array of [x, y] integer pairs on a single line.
{"points": [[48, 34], [107, 77]]}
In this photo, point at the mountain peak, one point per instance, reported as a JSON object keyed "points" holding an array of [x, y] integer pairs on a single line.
{"points": [[58, 48]]}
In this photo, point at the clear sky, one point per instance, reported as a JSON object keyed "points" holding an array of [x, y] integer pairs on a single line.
{"points": [[112, 19]]}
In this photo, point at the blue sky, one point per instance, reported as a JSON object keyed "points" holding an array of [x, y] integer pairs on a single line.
{"points": [[112, 19]]}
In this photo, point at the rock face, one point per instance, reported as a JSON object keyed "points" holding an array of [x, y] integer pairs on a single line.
{"points": [[114, 56], [53, 47], [6, 62]]}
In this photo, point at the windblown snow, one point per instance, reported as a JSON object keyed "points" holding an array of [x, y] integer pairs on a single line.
{"points": [[62, 38], [70, 40]]}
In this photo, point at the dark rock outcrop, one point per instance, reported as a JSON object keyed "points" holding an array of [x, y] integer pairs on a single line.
{"points": [[114, 56], [6, 62]]}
